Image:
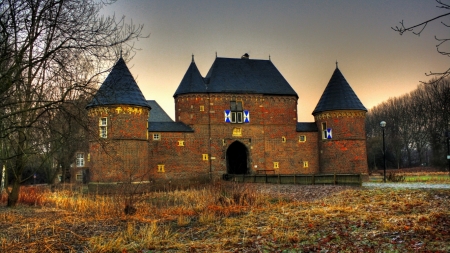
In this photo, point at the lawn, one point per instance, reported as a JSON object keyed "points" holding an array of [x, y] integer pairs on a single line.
{"points": [[227, 217]]}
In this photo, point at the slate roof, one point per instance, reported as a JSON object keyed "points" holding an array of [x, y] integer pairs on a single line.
{"points": [[159, 121], [169, 127], [233, 75], [119, 88], [338, 95], [157, 113], [192, 81], [306, 127]]}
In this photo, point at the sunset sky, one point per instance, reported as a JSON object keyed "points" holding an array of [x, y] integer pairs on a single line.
{"points": [[304, 39]]}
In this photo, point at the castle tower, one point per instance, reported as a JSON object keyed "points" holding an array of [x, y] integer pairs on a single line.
{"points": [[118, 120], [340, 118]]}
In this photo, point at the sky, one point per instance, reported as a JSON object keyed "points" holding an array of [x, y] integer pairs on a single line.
{"points": [[303, 38]]}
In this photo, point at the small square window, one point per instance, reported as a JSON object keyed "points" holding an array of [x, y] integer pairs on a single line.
{"points": [[305, 164], [205, 157], [202, 108], [161, 168], [302, 138], [276, 165], [181, 143], [79, 177], [156, 137]]}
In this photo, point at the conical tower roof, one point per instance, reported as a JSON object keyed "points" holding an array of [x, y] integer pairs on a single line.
{"points": [[119, 88], [192, 81], [338, 95]]}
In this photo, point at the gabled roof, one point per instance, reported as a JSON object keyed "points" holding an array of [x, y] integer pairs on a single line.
{"points": [[157, 113], [119, 88], [241, 76], [159, 121], [338, 95], [306, 127]]}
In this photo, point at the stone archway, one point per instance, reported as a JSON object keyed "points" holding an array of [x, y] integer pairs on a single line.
{"points": [[237, 158]]}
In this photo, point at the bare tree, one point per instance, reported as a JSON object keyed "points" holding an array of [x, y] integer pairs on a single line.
{"points": [[52, 50], [442, 42]]}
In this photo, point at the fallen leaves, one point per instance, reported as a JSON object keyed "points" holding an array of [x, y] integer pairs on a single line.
{"points": [[238, 218]]}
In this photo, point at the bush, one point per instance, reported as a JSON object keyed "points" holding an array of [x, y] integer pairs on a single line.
{"points": [[392, 177]]}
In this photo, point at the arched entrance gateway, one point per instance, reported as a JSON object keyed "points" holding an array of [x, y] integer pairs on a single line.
{"points": [[237, 155]]}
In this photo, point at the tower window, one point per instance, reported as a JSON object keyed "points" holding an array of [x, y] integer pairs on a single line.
{"points": [[305, 164], [302, 138], [161, 168], [276, 165], [103, 127], [80, 160], [283, 139], [324, 130], [202, 108], [156, 137], [205, 157], [181, 143]]}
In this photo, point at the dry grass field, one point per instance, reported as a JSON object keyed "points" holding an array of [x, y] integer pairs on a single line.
{"points": [[227, 217]]}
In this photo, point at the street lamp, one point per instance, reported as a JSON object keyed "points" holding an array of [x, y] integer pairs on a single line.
{"points": [[383, 125], [447, 134]]}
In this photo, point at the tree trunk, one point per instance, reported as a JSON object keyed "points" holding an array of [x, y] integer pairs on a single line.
{"points": [[13, 196]]}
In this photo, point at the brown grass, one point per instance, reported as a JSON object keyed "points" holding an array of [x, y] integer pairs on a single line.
{"points": [[231, 218]]}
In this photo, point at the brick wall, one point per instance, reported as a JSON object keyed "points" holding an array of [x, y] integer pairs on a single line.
{"points": [[346, 151], [271, 119], [123, 155]]}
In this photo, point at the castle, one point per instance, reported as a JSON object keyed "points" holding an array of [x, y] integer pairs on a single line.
{"points": [[241, 118]]}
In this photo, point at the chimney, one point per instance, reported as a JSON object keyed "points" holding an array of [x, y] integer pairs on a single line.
{"points": [[245, 56]]}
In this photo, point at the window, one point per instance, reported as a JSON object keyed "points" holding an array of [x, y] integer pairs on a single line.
{"points": [[181, 143], [324, 130], [80, 160], [302, 138], [283, 139], [79, 177], [161, 168], [305, 164], [236, 109], [202, 108], [156, 137], [205, 157], [103, 125], [276, 165]]}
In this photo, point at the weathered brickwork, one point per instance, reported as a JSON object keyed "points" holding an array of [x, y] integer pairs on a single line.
{"points": [[270, 137], [346, 151], [122, 154], [221, 132]]}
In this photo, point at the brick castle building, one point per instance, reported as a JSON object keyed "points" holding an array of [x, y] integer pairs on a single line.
{"points": [[241, 118]]}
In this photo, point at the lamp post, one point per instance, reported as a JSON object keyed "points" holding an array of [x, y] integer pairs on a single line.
{"points": [[447, 134], [383, 125]]}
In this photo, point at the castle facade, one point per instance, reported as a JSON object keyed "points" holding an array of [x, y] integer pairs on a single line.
{"points": [[241, 118]]}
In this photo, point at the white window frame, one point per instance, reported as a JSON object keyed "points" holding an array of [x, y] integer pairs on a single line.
{"points": [[103, 127], [156, 136], [80, 160]]}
